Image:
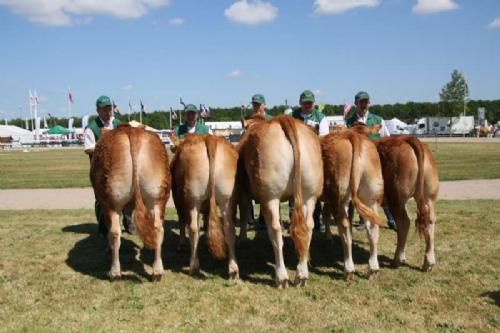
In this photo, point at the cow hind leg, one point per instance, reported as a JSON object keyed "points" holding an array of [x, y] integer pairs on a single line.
{"points": [[114, 235], [403, 222], [430, 257], [302, 270], [344, 227], [158, 229], [271, 213], [372, 231], [230, 238], [194, 263], [327, 215]]}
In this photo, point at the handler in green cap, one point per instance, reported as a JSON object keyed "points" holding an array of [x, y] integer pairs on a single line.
{"points": [[372, 121], [362, 115], [312, 117], [92, 133], [259, 106], [191, 126]]}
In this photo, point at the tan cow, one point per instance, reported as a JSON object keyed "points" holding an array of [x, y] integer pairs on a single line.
{"points": [[129, 169], [410, 172], [203, 177], [280, 159], [352, 171]]}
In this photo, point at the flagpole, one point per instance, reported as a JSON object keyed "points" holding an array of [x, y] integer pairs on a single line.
{"points": [[140, 113], [170, 117]]}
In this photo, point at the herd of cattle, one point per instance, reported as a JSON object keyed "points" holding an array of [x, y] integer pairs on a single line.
{"points": [[275, 160]]}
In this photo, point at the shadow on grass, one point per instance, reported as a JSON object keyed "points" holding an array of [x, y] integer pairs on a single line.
{"points": [[494, 295], [255, 257], [89, 256]]}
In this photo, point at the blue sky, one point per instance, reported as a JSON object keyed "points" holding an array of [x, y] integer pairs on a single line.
{"points": [[220, 52]]}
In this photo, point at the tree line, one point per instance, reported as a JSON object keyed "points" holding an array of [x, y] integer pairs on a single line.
{"points": [[407, 112]]}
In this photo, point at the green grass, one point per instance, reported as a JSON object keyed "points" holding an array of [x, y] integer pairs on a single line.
{"points": [[462, 161], [59, 168], [53, 279]]}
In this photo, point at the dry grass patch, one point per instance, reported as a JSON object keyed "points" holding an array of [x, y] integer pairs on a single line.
{"points": [[53, 278]]}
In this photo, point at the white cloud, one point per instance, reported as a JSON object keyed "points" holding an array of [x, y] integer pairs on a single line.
{"points": [[425, 7], [341, 6], [251, 12], [177, 21], [234, 74], [68, 12], [495, 23], [128, 87]]}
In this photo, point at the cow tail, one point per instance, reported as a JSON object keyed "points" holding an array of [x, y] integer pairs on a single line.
{"points": [[143, 220], [423, 219], [298, 230], [364, 211], [215, 238]]}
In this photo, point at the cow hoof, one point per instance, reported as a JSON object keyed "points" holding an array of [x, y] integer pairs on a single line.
{"points": [[427, 267], [114, 276], [349, 276], [282, 284], [372, 274], [234, 275], [195, 271], [155, 277], [300, 282]]}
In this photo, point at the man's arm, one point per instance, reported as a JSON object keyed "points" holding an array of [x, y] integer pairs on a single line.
{"points": [[88, 141], [324, 128]]}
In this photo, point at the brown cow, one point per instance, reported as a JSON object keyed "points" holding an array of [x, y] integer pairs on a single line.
{"points": [[409, 170], [203, 177], [129, 169], [352, 171], [280, 159]]}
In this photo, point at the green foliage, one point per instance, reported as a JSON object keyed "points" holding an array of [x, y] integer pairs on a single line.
{"points": [[455, 92], [407, 112]]}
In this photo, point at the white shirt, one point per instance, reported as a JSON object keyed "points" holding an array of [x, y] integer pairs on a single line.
{"points": [[324, 127], [383, 129], [89, 137]]}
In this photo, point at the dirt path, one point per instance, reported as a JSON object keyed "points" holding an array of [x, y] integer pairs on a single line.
{"points": [[83, 198]]}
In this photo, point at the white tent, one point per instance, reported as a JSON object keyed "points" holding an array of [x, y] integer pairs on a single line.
{"points": [[17, 133], [396, 126]]}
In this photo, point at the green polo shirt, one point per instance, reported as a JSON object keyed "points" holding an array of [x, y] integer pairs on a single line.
{"points": [[312, 119], [97, 124], [182, 130], [371, 120]]}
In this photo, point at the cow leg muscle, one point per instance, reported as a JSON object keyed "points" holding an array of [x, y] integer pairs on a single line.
{"points": [[158, 264], [430, 258], [345, 233], [229, 236], [194, 264], [403, 223], [270, 210], [302, 270], [114, 243]]}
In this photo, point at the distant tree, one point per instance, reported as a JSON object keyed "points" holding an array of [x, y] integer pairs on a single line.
{"points": [[455, 92]]}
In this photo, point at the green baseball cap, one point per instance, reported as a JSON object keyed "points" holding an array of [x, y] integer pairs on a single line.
{"points": [[307, 96], [362, 95], [191, 108], [103, 101], [258, 98]]}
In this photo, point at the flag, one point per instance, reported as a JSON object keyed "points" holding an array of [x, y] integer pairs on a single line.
{"points": [[70, 97], [347, 108], [142, 108], [174, 115], [32, 98], [35, 97], [116, 109], [205, 111], [182, 102]]}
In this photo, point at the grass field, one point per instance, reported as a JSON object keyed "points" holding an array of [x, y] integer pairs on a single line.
{"points": [[53, 279], [59, 168]]}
